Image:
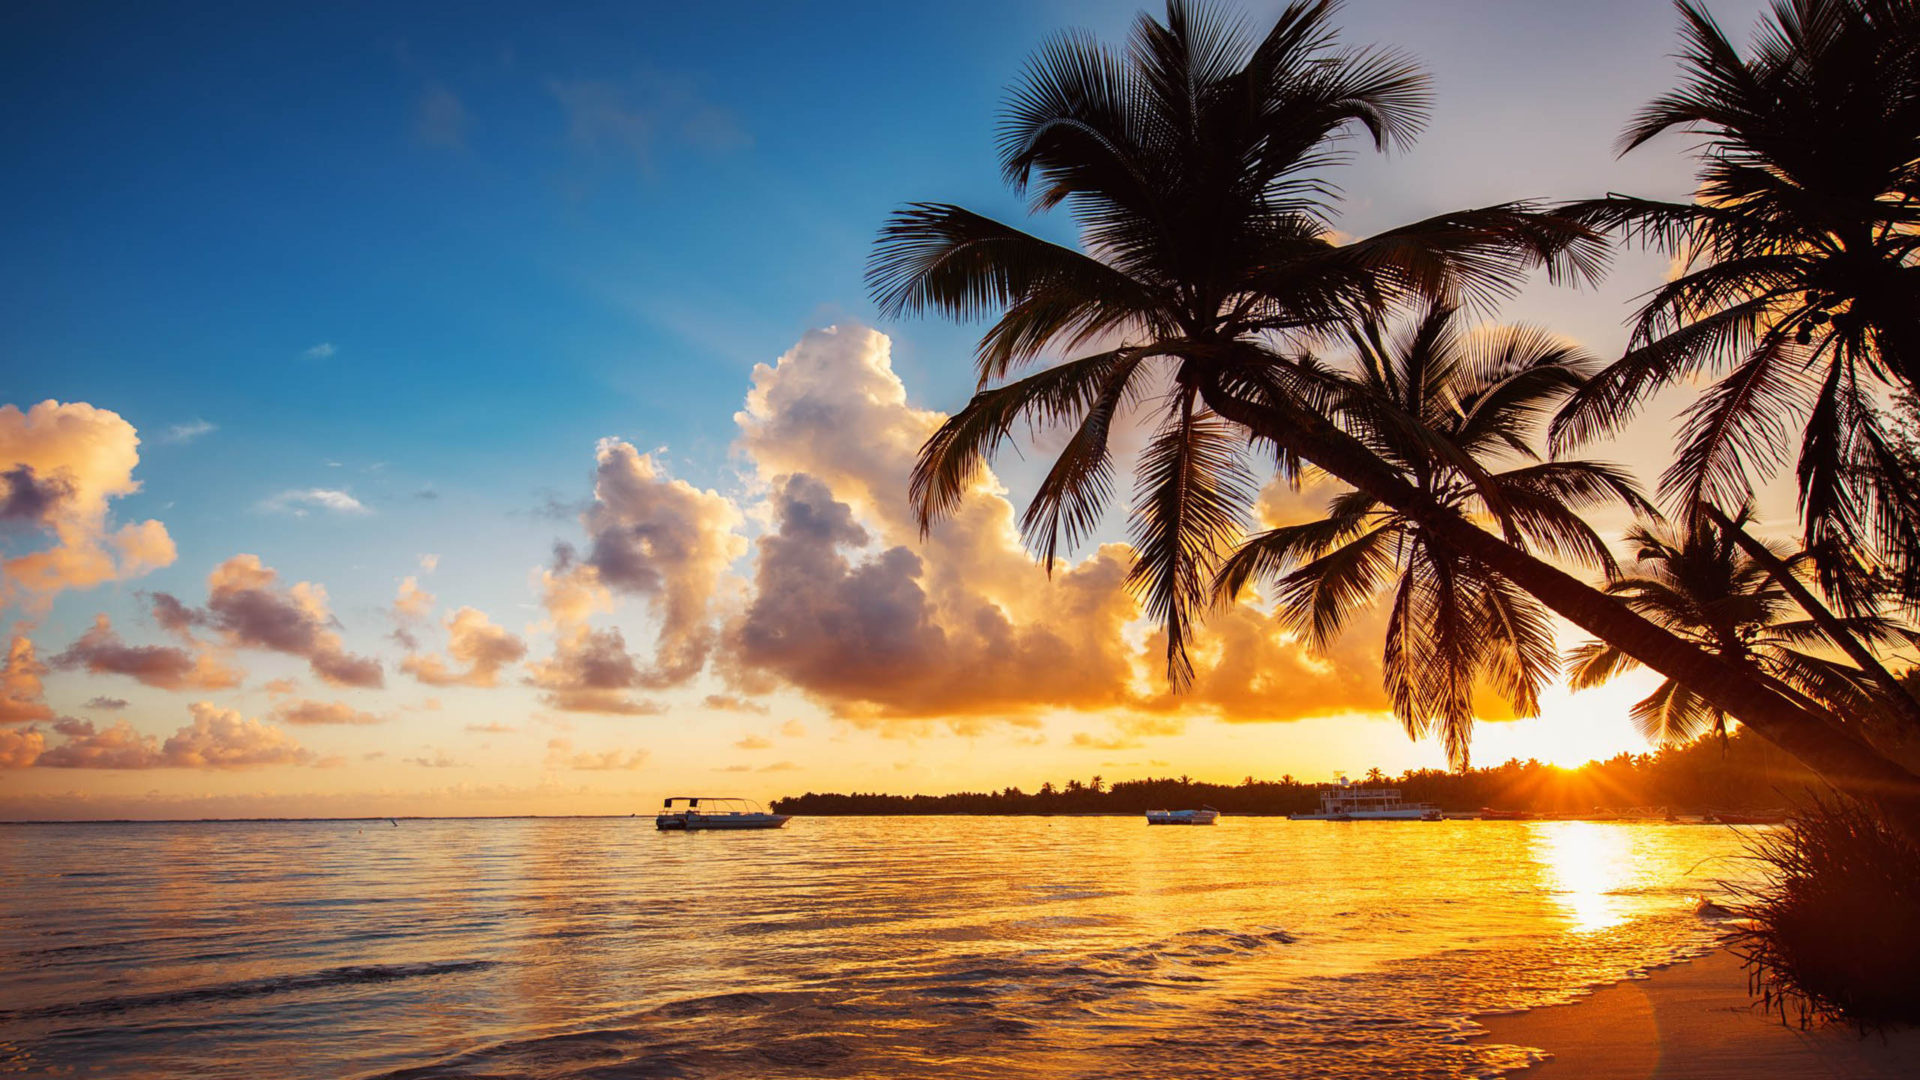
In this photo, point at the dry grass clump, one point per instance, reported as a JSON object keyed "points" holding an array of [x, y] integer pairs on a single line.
{"points": [[1833, 934]]}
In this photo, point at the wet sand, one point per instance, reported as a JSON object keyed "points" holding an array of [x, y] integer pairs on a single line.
{"points": [[1696, 1021]]}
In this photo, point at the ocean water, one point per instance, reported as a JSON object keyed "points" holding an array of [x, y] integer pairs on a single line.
{"points": [[837, 947]]}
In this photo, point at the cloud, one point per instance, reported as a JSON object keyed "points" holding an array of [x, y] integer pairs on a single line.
{"points": [[637, 121], [215, 739], [61, 466], [733, 703], [852, 606], [248, 608], [280, 686], [100, 651], [104, 702], [313, 713], [495, 728], [412, 602], [20, 749], [780, 766], [561, 755], [429, 563], [1084, 741], [753, 742], [318, 352], [21, 691], [793, 729], [300, 501], [440, 120], [482, 649], [438, 760], [663, 539], [180, 434], [591, 671]]}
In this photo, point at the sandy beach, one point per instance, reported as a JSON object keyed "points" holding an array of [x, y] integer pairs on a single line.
{"points": [[1696, 1021]]}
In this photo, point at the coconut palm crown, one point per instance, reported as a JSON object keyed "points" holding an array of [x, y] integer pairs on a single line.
{"points": [[1194, 163], [1799, 287], [1459, 415]]}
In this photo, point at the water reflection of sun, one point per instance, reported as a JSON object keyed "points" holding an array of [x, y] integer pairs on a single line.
{"points": [[1586, 864]]}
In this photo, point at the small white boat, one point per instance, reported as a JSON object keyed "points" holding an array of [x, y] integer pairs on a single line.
{"points": [[1203, 816], [1345, 802], [695, 812]]}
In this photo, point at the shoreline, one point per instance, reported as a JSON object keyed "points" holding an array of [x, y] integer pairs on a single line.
{"points": [[1691, 1019]]}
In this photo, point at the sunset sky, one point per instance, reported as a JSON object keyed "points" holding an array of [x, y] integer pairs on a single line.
{"points": [[481, 411]]}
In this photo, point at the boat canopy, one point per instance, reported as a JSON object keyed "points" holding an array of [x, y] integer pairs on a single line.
{"points": [[723, 803]]}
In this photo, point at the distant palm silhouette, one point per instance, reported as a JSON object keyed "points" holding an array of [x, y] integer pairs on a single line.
{"points": [[1800, 288], [1702, 585], [1459, 415]]}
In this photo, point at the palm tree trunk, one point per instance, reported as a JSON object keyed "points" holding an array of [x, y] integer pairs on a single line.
{"points": [[1835, 754]]}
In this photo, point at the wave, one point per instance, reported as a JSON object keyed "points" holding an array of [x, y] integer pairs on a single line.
{"points": [[359, 974]]}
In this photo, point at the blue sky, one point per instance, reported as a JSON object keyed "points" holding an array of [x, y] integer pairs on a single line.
{"points": [[428, 256]]}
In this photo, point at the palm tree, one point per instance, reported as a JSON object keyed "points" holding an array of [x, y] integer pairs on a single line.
{"points": [[1800, 288], [1458, 416], [1193, 163], [1702, 584]]}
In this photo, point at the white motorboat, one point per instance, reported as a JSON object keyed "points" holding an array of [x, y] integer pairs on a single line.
{"points": [[1206, 815], [1346, 802], [687, 813]]}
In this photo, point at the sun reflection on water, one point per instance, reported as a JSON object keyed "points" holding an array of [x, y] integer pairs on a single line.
{"points": [[1586, 865]]}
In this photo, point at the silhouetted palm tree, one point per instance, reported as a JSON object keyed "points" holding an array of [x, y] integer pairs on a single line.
{"points": [[1459, 415], [1800, 288], [1193, 163], [1703, 586]]}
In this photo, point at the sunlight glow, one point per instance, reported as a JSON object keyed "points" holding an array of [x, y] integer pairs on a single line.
{"points": [[1586, 865]]}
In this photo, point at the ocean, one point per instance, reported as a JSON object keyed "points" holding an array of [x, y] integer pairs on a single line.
{"points": [[567, 949]]}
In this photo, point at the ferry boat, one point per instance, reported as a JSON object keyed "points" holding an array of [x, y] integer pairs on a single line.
{"points": [[695, 812], [1206, 815], [1345, 802]]}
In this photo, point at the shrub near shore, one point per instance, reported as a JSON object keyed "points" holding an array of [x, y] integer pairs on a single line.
{"points": [[1742, 772]]}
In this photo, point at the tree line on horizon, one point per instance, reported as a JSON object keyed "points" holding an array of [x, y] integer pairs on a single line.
{"points": [[1741, 772], [1211, 293]]}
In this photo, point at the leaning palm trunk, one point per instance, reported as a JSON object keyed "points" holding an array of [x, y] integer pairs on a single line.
{"points": [[1841, 758]]}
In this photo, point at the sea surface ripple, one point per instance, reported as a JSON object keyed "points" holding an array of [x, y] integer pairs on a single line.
{"points": [[568, 949]]}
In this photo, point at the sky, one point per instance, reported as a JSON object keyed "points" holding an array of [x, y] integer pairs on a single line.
{"points": [[475, 410]]}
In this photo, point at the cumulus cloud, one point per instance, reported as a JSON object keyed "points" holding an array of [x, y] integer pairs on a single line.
{"points": [[215, 739], [412, 602], [439, 759], [661, 538], [20, 749], [753, 742], [249, 609], [591, 671], [480, 648], [21, 690], [100, 651], [60, 467], [300, 501], [561, 755], [323, 712], [108, 703], [494, 728], [853, 607], [319, 352]]}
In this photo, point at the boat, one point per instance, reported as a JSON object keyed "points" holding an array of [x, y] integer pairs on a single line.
{"points": [[689, 813], [1346, 802], [1488, 813], [1206, 815]]}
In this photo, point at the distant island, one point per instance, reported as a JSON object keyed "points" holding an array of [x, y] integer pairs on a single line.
{"points": [[1737, 773]]}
